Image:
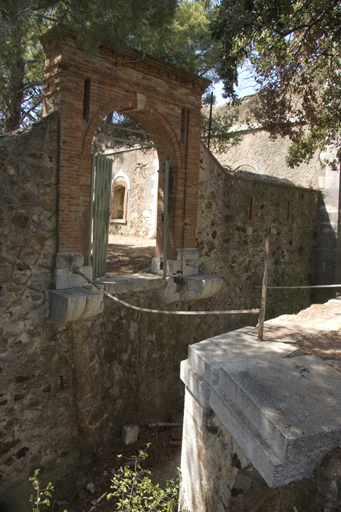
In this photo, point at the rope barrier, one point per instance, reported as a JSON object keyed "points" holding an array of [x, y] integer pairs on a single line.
{"points": [[302, 287], [165, 312]]}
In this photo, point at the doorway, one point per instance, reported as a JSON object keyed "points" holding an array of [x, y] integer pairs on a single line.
{"points": [[132, 211]]}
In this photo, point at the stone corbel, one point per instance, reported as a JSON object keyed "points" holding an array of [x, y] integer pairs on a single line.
{"points": [[192, 288]]}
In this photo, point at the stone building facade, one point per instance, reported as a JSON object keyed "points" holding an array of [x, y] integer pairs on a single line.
{"points": [[134, 192]]}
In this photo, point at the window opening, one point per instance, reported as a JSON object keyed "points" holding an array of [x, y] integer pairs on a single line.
{"points": [[288, 211], [134, 192], [86, 99], [250, 210], [119, 202]]}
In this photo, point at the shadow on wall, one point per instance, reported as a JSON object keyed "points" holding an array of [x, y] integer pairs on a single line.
{"points": [[325, 255]]}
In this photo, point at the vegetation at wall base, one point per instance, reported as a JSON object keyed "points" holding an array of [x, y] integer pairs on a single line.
{"points": [[135, 492], [132, 489]]}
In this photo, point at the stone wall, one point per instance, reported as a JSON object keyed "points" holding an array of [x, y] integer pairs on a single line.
{"points": [[67, 388], [38, 405], [231, 238], [258, 153]]}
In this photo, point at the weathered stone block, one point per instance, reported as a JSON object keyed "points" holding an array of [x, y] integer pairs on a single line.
{"points": [[130, 434], [74, 304], [69, 260], [285, 413]]}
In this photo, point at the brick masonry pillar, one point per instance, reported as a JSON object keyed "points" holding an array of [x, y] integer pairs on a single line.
{"points": [[166, 100]]}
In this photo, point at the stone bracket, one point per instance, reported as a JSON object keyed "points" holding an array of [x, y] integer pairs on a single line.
{"points": [[74, 304], [192, 288]]}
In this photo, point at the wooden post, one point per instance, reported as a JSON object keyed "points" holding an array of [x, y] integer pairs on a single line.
{"points": [[264, 286]]}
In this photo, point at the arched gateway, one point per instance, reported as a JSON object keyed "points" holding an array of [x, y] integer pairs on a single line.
{"points": [[166, 100]]}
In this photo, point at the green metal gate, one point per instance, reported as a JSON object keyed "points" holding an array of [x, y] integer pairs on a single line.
{"points": [[100, 193]]}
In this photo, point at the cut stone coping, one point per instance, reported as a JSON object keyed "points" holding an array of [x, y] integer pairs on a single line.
{"points": [[196, 287], [127, 283], [284, 412]]}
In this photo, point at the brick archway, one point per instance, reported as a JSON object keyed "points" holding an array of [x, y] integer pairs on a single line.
{"points": [[166, 100]]}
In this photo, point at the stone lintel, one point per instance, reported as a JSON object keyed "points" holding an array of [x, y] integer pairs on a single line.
{"points": [[285, 413], [175, 289]]}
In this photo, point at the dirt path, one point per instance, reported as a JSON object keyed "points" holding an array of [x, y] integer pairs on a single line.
{"points": [[315, 330], [129, 254]]}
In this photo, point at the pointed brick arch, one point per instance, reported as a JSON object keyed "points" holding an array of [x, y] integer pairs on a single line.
{"points": [[166, 100]]}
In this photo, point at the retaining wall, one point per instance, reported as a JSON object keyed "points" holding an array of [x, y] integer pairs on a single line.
{"points": [[67, 388]]}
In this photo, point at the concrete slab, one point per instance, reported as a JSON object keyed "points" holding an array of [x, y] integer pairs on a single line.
{"points": [[208, 355], [195, 384], [289, 409], [284, 412]]}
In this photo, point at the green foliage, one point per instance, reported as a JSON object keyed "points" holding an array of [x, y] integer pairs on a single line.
{"points": [[222, 137], [113, 22], [294, 47], [186, 42], [41, 498], [21, 58], [119, 131], [135, 492], [176, 32], [132, 489]]}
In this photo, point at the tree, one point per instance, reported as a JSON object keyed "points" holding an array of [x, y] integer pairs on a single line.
{"points": [[111, 22], [175, 31], [186, 42], [294, 47], [20, 62]]}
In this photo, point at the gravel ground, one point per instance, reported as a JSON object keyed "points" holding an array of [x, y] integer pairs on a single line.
{"points": [[129, 254]]}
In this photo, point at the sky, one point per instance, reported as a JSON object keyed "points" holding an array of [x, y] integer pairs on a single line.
{"points": [[246, 85]]}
